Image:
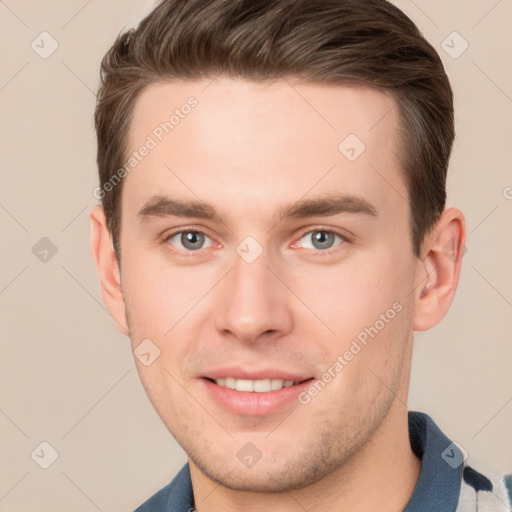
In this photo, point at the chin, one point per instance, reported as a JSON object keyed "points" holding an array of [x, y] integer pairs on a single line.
{"points": [[279, 473]]}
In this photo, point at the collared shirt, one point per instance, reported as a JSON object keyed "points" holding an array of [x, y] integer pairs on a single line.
{"points": [[449, 480]]}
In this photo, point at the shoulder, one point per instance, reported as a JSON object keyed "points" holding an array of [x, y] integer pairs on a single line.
{"points": [[157, 502], [176, 496]]}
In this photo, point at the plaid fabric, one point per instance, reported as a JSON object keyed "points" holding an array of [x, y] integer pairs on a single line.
{"points": [[484, 490]]}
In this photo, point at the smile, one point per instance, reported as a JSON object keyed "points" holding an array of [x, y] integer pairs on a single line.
{"points": [[254, 397], [256, 386]]}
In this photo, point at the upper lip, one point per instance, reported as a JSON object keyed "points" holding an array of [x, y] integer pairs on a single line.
{"points": [[256, 374]]}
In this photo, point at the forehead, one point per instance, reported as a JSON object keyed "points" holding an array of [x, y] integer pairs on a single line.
{"points": [[314, 110], [225, 137]]}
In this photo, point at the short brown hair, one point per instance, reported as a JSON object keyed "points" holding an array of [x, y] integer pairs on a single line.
{"points": [[367, 42]]}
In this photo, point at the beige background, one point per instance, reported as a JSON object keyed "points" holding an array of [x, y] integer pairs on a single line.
{"points": [[67, 375]]}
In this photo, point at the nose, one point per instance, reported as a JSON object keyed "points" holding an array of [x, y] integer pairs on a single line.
{"points": [[254, 304]]}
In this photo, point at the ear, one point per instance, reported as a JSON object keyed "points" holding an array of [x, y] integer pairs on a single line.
{"points": [[104, 257], [439, 269]]}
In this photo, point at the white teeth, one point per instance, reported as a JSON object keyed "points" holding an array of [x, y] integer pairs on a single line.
{"points": [[261, 386], [244, 385], [230, 383], [276, 384], [258, 386]]}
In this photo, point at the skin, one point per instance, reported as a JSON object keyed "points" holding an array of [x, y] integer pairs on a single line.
{"points": [[248, 149]]}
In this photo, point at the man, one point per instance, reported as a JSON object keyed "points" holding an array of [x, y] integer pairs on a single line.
{"points": [[272, 231]]}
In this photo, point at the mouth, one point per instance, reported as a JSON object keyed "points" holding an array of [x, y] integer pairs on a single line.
{"points": [[256, 386], [255, 397]]}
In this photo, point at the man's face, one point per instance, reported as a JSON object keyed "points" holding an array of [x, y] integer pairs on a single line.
{"points": [[259, 287]]}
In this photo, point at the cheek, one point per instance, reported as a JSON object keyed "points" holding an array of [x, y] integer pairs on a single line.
{"points": [[158, 296], [164, 305], [354, 295], [368, 305]]}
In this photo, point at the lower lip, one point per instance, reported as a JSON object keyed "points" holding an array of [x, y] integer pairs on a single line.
{"points": [[252, 403]]}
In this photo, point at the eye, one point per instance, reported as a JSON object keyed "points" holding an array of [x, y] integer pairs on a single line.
{"points": [[190, 240], [320, 239]]}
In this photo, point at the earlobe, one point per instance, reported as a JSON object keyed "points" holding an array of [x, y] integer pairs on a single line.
{"points": [[439, 269], [107, 266]]}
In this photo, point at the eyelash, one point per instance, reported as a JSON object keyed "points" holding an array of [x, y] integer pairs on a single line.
{"points": [[317, 252], [323, 229], [181, 252], [344, 239]]}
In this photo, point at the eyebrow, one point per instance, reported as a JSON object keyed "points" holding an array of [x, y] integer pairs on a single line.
{"points": [[325, 206], [329, 205]]}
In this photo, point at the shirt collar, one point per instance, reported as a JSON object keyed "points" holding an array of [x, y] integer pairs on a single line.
{"points": [[438, 485]]}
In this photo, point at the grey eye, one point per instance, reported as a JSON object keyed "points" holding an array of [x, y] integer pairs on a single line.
{"points": [[320, 239], [190, 240]]}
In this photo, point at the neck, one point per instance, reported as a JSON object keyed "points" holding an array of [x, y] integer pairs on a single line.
{"points": [[381, 476]]}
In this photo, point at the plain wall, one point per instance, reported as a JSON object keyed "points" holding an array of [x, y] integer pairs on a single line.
{"points": [[67, 375]]}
